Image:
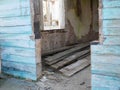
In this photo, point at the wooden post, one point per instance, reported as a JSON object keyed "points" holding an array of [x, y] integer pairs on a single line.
{"points": [[100, 22], [37, 23]]}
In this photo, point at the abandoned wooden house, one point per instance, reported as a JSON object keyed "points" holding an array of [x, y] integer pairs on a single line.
{"points": [[58, 33]]}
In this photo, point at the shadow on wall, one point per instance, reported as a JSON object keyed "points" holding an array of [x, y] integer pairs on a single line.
{"points": [[82, 18]]}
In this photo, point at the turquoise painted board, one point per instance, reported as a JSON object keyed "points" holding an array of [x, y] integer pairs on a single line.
{"points": [[111, 13], [19, 66], [19, 59], [15, 4], [113, 83], [15, 37], [21, 74], [106, 69], [105, 49], [16, 29], [109, 31], [111, 23], [111, 40], [15, 21], [15, 12], [100, 88], [18, 43], [111, 3], [18, 51], [106, 59]]}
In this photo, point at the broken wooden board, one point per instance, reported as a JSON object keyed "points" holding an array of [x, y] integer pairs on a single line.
{"points": [[75, 67], [70, 59], [67, 52]]}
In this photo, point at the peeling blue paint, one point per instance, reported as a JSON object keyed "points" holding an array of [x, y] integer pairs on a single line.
{"points": [[105, 57], [17, 48]]}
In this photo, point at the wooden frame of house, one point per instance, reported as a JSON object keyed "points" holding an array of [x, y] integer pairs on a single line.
{"points": [[20, 38]]}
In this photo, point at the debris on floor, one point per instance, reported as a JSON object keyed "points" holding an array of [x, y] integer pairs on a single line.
{"points": [[54, 81], [70, 61]]}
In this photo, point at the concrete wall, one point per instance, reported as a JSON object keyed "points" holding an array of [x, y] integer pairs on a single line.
{"points": [[79, 16], [52, 39], [78, 28]]}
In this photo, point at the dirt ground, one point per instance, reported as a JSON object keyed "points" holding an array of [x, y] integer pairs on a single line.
{"points": [[50, 81]]}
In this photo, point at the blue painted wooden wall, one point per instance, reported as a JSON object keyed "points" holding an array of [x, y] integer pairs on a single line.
{"points": [[105, 56], [17, 49]]}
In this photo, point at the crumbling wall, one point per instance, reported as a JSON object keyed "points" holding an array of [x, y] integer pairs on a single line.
{"points": [[80, 16], [80, 25], [52, 39]]}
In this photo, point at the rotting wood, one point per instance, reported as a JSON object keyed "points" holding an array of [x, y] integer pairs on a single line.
{"points": [[36, 8], [70, 59], [67, 52], [75, 67], [51, 52], [100, 22], [56, 50], [62, 58]]}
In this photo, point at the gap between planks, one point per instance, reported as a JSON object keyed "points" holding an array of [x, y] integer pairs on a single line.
{"points": [[70, 59], [59, 56]]}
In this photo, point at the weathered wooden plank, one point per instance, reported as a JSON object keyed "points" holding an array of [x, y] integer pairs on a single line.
{"points": [[21, 74], [104, 88], [111, 40], [106, 59], [105, 49], [16, 30], [113, 83], [111, 13], [111, 3], [15, 4], [37, 23], [31, 68], [15, 21], [50, 52], [16, 43], [15, 12], [14, 37], [19, 59], [69, 59], [17, 51], [75, 67], [67, 52], [106, 69], [111, 31], [111, 23]]}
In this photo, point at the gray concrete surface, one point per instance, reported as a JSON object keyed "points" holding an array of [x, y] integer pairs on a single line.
{"points": [[50, 81]]}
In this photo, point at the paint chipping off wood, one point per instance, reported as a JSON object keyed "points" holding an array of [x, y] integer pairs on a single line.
{"points": [[105, 56], [17, 51]]}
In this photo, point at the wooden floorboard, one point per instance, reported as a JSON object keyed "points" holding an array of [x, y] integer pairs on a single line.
{"points": [[62, 55], [75, 67], [70, 59]]}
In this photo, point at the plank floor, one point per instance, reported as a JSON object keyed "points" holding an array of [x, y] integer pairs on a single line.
{"points": [[70, 61]]}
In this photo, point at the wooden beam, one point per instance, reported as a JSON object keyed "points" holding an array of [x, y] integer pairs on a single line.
{"points": [[37, 23]]}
